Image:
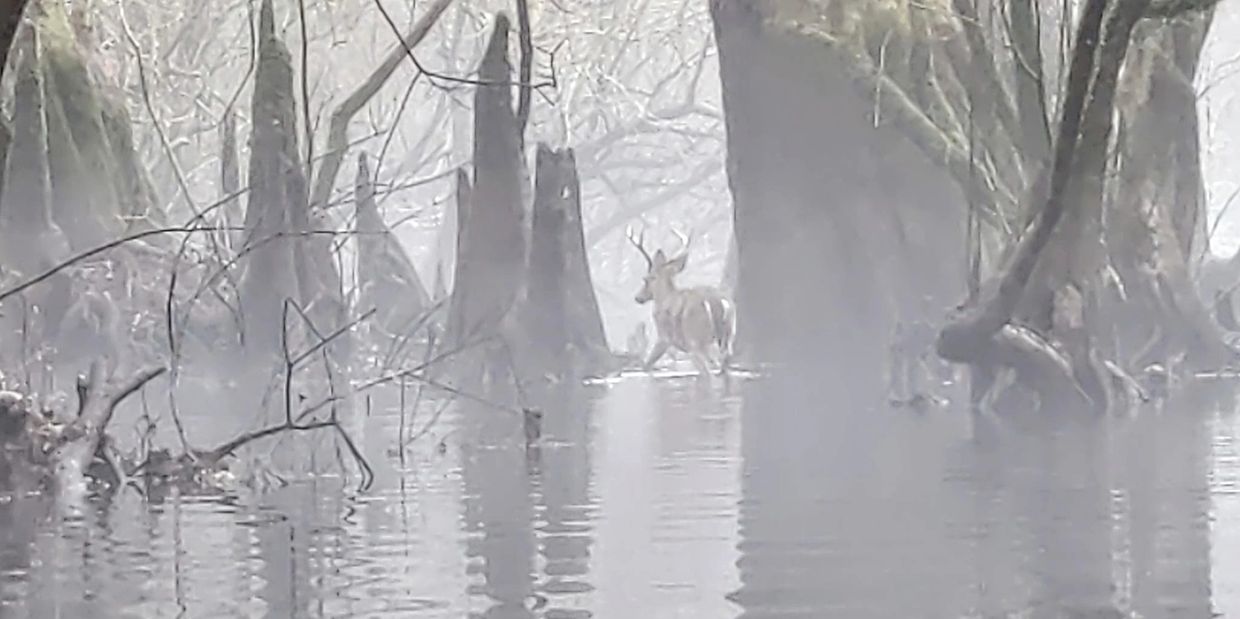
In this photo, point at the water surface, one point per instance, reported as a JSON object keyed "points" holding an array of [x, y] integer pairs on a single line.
{"points": [[655, 498]]}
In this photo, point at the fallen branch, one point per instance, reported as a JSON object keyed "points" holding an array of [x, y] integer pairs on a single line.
{"points": [[80, 440]]}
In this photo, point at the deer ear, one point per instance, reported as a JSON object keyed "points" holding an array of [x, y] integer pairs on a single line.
{"points": [[678, 263], [659, 258]]}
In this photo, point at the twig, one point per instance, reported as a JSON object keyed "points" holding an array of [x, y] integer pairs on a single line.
{"points": [[90, 253], [338, 131], [527, 67], [305, 89], [430, 423], [382, 380], [451, 78]]}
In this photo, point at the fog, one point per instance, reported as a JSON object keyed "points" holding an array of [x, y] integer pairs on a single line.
{"points": [[638, 308]]}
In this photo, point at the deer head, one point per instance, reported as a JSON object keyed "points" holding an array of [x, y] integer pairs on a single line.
{"points": [[660, 270]]}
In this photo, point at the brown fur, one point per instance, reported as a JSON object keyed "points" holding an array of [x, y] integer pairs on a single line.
{"points": [[698, 321]]}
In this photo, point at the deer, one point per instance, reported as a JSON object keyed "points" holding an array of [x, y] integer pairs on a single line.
{"points": [[698, 321]]}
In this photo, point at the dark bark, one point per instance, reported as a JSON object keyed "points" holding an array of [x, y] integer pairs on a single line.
{"points": [[11, 12], [230, 177], [490, 248], [562, 328], [587, 337], [32, 242], [963, 340], [387, 280], [545, 327], [814, 257], [526, 75], [86, 202], [270, 272]]}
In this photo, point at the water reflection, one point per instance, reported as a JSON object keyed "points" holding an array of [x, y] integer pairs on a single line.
{"points": [[879, 514], [656, 498]]}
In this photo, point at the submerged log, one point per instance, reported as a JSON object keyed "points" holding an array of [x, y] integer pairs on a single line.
{"points": [[100, 395], [40, 451]]}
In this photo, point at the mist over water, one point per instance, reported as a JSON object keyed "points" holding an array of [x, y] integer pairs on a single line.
{"points": [[651, 498], [810, 489]]}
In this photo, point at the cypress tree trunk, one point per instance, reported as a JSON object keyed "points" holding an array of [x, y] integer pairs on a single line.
{"points": [[808, 171], [30, 241], [270, 272], [587, 336], [386, 278], [84, 169], [491, 238]]}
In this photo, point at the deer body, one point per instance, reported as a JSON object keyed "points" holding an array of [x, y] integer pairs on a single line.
{"points": [[699, 321]]}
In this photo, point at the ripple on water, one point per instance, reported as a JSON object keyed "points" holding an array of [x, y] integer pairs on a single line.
{"points": [[653, 498]]}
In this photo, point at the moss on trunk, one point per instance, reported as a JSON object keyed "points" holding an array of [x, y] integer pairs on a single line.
{"points": [[86, 201]]}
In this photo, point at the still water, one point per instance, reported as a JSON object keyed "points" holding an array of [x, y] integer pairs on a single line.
{"points": [[651, 498]]}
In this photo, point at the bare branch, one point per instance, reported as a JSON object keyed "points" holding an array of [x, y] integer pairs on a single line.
{"points": [[338, 132], [1171, 9]]}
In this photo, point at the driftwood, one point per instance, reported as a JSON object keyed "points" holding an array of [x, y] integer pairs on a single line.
{"points": [[100, 394], [40, 451]]}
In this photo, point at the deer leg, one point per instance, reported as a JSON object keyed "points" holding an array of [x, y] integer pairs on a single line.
{"points": [[656, 353], [703, 366]]}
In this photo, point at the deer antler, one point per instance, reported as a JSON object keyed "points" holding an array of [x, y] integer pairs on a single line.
{"points": [[685, 241], [640, 244]]}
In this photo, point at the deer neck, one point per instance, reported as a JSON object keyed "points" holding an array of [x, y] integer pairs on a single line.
{"points": [[665, 293]]}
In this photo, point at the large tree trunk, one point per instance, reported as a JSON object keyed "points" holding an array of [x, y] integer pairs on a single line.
{"points": [[491, 239], [561, 329], [587, 337], [1157, 206], [30, 241], [270, 267], [11, 12], [544, 326], [386, 278], [289, 247], [808, 170], [86, 202], [938, 80]]}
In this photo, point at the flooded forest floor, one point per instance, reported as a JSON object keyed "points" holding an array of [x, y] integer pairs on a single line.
{"points": [[656, 497]]}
